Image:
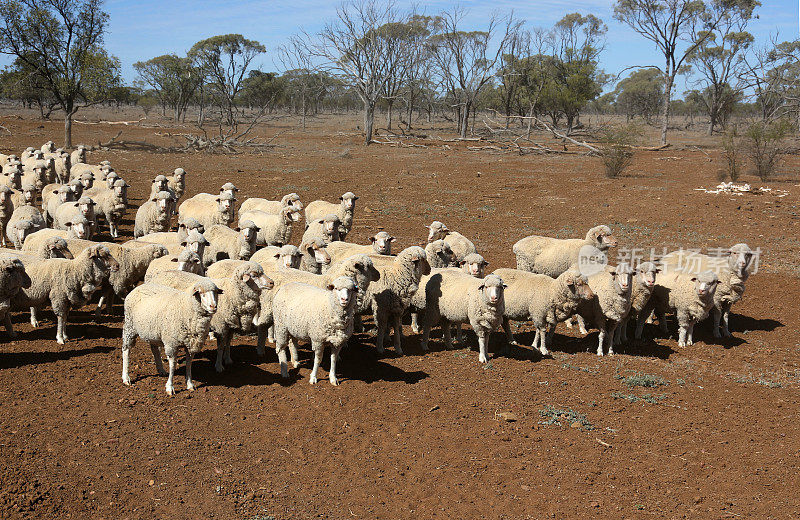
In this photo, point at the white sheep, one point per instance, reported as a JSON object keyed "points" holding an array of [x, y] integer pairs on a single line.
{"points": [[13, 278], [174, 241], [272, 206], [168, 318], [271, 257], [62, 164], [6, 209], [210, 209], [390, 296], [460, 244], [327, 229], [65, 283], [320, 209], [111, 203], [224, 242], [12, 175], [187, 260], [238, 303], [643, 282], [380, 244], [273, 230], [56, 197], [543, 300], [78, 156], [26, 196], [440, 255], [153, 215], [81, 210], [689, 296], [54, 246], [24, 221], [452, 296], [612, 288], [177, 182], [732, 271], [316, 258], [553, 256], [303, 312]]}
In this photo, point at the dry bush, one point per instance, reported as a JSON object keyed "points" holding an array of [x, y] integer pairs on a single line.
{"points": [[764, 145], [617, 148], [732, 155]]}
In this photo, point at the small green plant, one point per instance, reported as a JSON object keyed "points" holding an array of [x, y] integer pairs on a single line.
{"points": [[647, 398], [644, 380], [617, 148], [764, 148], [732, 155], [553, 415]]}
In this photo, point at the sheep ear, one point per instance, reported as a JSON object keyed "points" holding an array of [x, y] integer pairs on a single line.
{"points": [[693, 278], [173, 259], [237, 229], [481, 287], [461, 263], [505, 286], [217, 199], [613, 274], [68, 224], [246, 277], [330, 285], [277, 255], [485, 263], [341, 198], [355, 198], [372, 240], [392, 239]]}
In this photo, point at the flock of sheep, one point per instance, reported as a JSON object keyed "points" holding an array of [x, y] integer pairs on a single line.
{"points": [[211, 279]]}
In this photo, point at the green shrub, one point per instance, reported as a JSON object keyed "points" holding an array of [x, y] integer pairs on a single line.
{"points": [[732, 155], [617, 148], [764, 145]]}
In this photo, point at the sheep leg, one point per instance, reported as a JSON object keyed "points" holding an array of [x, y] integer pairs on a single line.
{"points": [[168, 387], [662, 321], [227, 359], [358, 326], [293, 352], [398, 334], [541, 333], [34, 320], [271, 334], [716, 315], [690, 333], [61, 328], [157, 359], [189, 382], [459, 333], [334, 358], [448, 338], [9, 326], [415, 322], [318, 350], [426, 335], [105, 298], [611, 332], [726, 313], [601, 340], [262, 340], [218, 366], [509, 336], [127, 343], [380, 321], [483, 350], [581, 324]]}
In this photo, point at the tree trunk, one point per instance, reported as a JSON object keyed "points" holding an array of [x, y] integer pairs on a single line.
{"points": [[68, 128], [389, 102], [668, 81], [369, 121], [304, 112], [464, 120]]}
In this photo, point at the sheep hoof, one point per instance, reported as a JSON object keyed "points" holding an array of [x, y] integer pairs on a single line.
{"points": [[296, 364], [725, 334], [218, 367], [334, 381], [34, 323], [126, 381], [312, 380], [611, 353], [190, 386], [543, 351], [482, 358], [600, 352], [681, 344], [717, 334], [399, 351], [60, 341], [170, 390], [228, 360], [12, 334]]}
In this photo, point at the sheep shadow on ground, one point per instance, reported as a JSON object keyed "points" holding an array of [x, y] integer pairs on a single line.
{"points": [[742, 323], [245, 370], [20, 359]]}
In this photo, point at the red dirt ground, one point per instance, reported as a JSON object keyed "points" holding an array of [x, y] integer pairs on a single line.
{"points": [[421, 436]]}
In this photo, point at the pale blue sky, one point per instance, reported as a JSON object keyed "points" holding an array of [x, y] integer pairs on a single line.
{"points": [[142, 29]]}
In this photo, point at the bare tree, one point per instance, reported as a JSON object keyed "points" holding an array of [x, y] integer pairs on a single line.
{"points": [[465, 60], [773, 76], [62, 41], [678, 28], [357, 46], [303, 79]]}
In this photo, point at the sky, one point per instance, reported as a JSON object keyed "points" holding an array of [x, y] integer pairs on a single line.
{"points": [[141, 29]]}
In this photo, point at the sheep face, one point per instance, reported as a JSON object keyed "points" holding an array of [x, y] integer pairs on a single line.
{"points": [[22, 229], [492, 289], [437, 231], [65, 194], [739, 260], [207, 296], [705, 285], [331, 225], [292, 200], [602, 237], [120, 189], [86, 207], [4, 194], [13, 178], [320, 254], [190, 262], [160, 182], [78, 228], [195, 242], [78, 187], [622, 276], [229, 189], [252, 274], [111, 178], [474, 265], [348, 201], [578, 284], [102, 256], [29, 195], [382, 243], [420, 263], [646, 274], [343, 290], [224, 204], [443, 255], [16, 277]]}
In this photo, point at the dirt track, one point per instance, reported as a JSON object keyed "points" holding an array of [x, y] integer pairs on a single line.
{"points": [[422, 436]]}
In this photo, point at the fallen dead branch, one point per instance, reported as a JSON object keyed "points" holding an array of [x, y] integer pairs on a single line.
{"points": [[6, 129], [126, 123]]}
